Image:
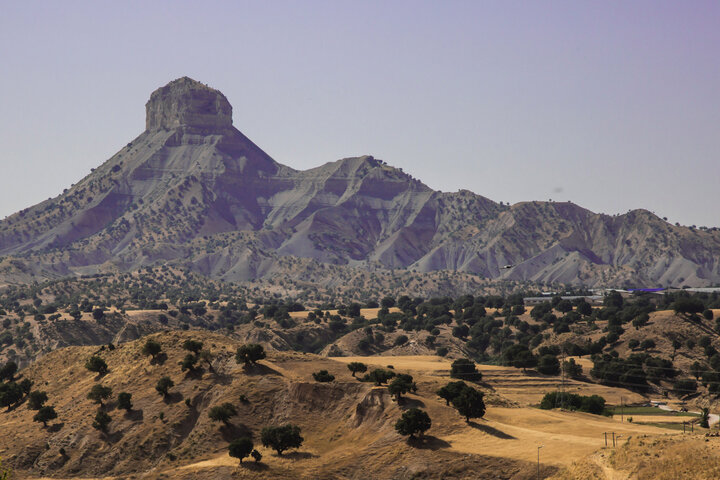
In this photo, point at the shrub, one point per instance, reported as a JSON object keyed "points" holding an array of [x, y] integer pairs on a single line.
{"points": [[323, 376], [222, 413], [441, 351], [257, 456], [125, 401], [401, 340], [193, 346], [594, 404], [189, 362], [281, 438]]}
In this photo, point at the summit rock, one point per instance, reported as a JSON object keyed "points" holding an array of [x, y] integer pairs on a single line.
{"points": [[187, 103]]}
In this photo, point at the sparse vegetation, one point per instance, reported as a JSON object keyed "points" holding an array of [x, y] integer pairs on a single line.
{"points": [[413, 422], [281, 438]]}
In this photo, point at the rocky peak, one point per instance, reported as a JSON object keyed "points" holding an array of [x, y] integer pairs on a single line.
{"points": [[187, 103]]}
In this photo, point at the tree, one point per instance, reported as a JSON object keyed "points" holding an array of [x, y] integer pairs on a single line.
{"points": [[647, 344], [688, 305], [189, 362], [96, 364], [98, 314], [584, 308], [387, 302], [708, 314], [572, 369], [633, 344], [323, 376], [192, 345], [697, 369], [125, 401], [207, 357], [102, 420], [240, 448], [357, 367], [163, 385], [152, 348], [45, 414], [379, 376], [469, 403], [222, 413], [450, 391], [98, 393], [704, 416], [281, 438], [548, 365], [36, 400], [465, 369], [400, 385], [250, 354], [640, 321], [413, 421], [8, 371], [10, 394]]}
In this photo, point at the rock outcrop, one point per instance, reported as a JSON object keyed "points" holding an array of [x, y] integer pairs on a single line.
{"points": [[194, 192]]}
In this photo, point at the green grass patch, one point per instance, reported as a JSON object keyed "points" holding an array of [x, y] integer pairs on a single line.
{"points": [[650, 411], [670, 426]]}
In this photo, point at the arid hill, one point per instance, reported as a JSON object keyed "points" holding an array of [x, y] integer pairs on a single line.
{"points": [[194, 192]]}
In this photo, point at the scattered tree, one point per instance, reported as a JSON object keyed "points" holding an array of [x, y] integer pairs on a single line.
{"points": [[281, 438], [379, 376], [413, 421], [357, 367], [193, 346], [98, 393], [469, 403], [189, 362], [36, 400], [400, 385], [45, 414], [96, 364], [152, 348], [464, 369], [450, 391], [101, 422], [164, 385], [249, 354], [240, 448], [8, 371]]}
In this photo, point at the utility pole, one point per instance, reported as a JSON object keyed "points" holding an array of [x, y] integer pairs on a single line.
{"points": [[622, 410], [613, 434], [538, 465], [605, 433]]}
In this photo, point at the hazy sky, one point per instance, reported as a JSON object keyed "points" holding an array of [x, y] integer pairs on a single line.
{"points": [[613, 105]]}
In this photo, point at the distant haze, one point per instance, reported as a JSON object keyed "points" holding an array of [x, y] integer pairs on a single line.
{"points": [[613, 105]]}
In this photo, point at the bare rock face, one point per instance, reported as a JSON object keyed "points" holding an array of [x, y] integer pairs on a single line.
{"points": [[187, 103]]}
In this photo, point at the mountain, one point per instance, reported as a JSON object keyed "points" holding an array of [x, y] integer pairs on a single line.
{"points": [[192, 191]]}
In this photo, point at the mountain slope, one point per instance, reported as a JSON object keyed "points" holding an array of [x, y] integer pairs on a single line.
{"points": [[193, 191]]}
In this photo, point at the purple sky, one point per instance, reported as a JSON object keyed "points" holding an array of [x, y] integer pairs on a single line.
{"points": [[613, 105]]}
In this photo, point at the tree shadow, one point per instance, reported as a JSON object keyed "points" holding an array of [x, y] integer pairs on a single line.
{"points": [[428, 442], [491, 431], [298, 455], [100, 375], [222, 378], [113, 437], [173, 397], [195, 374], [254, 466], [135, 415], [231, 432], [55, 427], [259, 369], [407, 402], [159, 359]]}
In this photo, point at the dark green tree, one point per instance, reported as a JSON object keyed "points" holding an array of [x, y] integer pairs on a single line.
{"points": [[125, 401], [193, 346], [45, 414], [164, 385], [96, 364], [450, 391], [464, 369], [413, 421], [8, 371], [101, 422], [401, 385], [357, 367], [36, 400], [548, 365], [240, 448], [189, 362], [281, 438], [469, 403], [152, 348], [98, 393], [250, 354], [379, 376]]}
